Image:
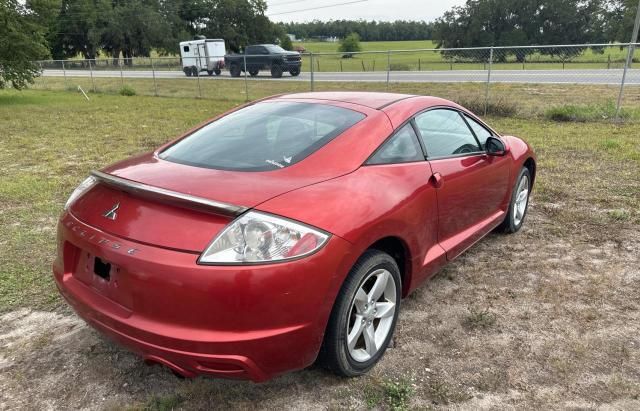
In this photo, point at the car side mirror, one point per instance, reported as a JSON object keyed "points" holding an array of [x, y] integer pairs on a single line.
{"points": [[495, 147]]}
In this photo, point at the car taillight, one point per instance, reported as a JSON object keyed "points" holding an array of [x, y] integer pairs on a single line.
{"points": [[257, 237], [80, 190]]}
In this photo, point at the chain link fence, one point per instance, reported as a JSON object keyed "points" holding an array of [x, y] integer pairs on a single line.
{"points": [[602, 80]]}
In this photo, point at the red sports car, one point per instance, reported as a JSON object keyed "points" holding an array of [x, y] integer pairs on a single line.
{"points": [[287, 230]]}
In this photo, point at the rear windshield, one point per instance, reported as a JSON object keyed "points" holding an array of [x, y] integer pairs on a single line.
{"points": [[262, 137]]}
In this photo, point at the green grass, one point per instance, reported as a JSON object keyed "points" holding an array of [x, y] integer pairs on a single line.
{"points": [[404, 58], [528, 100], [51, 140], [589, 112]]}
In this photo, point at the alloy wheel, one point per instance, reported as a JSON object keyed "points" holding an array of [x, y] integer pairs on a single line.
{"points": [[371, 315]]}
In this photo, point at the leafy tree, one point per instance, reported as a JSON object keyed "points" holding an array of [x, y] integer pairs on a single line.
{"points": [[350, 44], [80, 26], [285, 42], [239, 22], [21, 41], [133, 28], [621, 16]]}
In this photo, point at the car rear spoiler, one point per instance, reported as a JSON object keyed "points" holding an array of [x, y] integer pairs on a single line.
{"points": [[169, 196]]}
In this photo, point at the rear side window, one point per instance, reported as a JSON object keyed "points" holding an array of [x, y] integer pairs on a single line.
{"points": [[402, 147], [480, 131], [186, 49], [444, 133], [263, 137]]}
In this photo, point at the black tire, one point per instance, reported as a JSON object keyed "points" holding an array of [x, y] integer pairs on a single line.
{"points": [[235, 71], [217, 71], [276, 71], [334, 353], [295, 72], [210, 72], [253, 73], [511, 223], [195, 71], [187, 71]]}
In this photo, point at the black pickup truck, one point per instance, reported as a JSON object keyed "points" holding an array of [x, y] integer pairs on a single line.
{"points": [[264, 57]]}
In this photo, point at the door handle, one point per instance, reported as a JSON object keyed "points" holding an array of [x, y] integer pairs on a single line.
{"points": [[437, 180]]}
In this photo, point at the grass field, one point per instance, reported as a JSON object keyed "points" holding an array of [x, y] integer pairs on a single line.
{"points": [[526, 100], [546, 318]]}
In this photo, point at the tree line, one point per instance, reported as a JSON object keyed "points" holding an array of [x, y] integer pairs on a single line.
{"points": [[482, 23], [367, 30], [131, 28]]}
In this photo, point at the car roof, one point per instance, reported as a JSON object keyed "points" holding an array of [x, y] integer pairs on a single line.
{"points": [[372, 100]]}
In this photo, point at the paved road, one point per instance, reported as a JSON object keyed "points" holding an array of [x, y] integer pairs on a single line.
{"points": [[610, 77]]}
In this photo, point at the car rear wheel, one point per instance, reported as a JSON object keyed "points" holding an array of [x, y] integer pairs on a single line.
{"points": [[210, 72], [218, 71], [519, 203], [195, 71], [187, 71], [253, 73], [276, 71], [364, 316], [235, 71]]}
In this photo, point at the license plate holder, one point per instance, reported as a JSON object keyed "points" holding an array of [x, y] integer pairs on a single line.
{"points": [[102, 268]]}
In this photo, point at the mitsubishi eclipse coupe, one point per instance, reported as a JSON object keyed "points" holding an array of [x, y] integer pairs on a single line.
{"points": [[286, 231]]}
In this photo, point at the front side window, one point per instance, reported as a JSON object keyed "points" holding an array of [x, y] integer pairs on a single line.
{"points": [[402, 147], [480, 131], [275, 49], [263, 137], [444, 133]]}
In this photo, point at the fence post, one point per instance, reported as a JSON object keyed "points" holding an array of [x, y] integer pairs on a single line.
{"points": [[42, 75], [93, 83], [388, 67], [486, 93], [624, 77], [153, 70], [64, 73], [246, 84], [121, 75], [311, 61], [419, 65]]}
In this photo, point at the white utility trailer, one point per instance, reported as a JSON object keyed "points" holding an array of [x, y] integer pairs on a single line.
{"points": [[202, 55]]}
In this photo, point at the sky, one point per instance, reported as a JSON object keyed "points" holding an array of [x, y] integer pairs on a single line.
{"points": [[386, 10]]}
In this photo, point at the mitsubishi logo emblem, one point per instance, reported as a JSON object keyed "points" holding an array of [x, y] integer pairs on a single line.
{"points": [[111, 214]]}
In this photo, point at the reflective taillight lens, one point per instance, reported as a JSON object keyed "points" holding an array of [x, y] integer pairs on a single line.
{"points": [[80, 190], [257, 237]]}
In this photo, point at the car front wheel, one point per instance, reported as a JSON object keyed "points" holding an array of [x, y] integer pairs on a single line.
{"points": [[519, 203], [364, 316]]}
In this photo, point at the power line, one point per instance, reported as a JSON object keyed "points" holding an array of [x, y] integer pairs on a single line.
{"points": [[317, 8], [285, 2]]}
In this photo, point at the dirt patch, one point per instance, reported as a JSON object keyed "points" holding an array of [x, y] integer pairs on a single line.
{"points": [[531, 320]]}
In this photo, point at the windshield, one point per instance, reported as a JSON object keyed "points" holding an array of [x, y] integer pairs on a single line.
{"points": [[262, 137], [275, 49]]}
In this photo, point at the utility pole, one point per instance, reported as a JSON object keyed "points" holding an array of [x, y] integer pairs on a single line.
{"points": [[627, 65]]}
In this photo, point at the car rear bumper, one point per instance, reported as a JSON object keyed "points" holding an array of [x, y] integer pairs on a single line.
{"points": [[237, 322]]}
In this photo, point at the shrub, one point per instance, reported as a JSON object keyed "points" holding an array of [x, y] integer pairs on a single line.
{"points": [[498, 108], [350, 44], [285, 42], [127, 91], [584, 112]]}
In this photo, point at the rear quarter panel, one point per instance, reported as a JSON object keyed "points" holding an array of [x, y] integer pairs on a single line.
{"points": [[369, 204]]}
